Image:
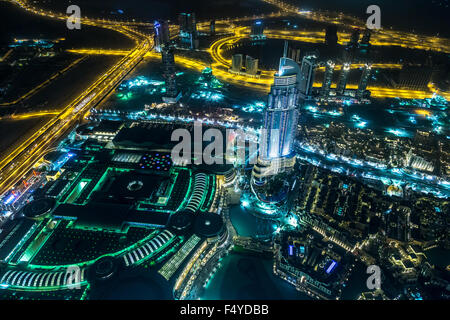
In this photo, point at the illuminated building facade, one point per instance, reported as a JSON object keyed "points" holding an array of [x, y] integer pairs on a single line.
{"points": [[365, 40], [212, 27], [251, 66], [280, 123], [188, 30], [162, 35], [327, 78], [364, 80], [171, 95], [294, 54], [236, 62], [257, 31], [343, 76], [307, 72]]}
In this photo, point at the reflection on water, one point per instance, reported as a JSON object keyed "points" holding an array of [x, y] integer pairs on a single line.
{"points": [[248, 225], [247, 277]]}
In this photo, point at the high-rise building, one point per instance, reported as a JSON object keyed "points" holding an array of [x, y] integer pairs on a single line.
{"points": [[212, 27], [187, 23], [343, 76], [236, 62], [294, 54], [280, 123], [257, 30], [354, 38], [362, 86], [171, 95], [307, 73], [365, 40], [327, 78], [364, 44], [331, 37], [162, 35], [251, 66], [188, 30]]}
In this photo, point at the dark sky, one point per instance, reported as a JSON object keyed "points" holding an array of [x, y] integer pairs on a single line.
{"points": [[422, 16]]}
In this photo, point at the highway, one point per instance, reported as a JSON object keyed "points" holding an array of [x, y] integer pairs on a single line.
{"points": [[221, 65], [43, 84], [16, 164], [19, 162]]}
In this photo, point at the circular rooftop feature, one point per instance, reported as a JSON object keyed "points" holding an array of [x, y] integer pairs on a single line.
{"points": [[104, 268], [39, 207], [208, 224], [135, 185], [181, 221]]}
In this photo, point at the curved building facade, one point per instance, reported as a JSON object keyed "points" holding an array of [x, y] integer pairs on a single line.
{"points": [[280, 123]]}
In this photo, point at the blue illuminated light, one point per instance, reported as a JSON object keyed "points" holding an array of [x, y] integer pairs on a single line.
{"points": [[331, 267], [10, 199]]}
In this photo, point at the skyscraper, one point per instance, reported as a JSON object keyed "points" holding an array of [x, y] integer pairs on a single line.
{"points": [[251, 66], [171, 95], [187, 23], [343, 76], [327, 78], [236, 62], [162, 35], [280, 123], [331, 37], [257, 30], [354, 38], [294, 54], [212, 27], [366, 37], [362, 86], [307, 72], [188, 30]]}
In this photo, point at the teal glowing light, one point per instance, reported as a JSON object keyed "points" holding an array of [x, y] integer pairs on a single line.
{"points": [[398, 132], [361, 124]]}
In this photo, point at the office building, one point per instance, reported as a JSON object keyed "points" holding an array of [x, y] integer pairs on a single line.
{"points": [[365, 40], [212, 27], [280, 123], [327, 78], [362, 86], [343, 76], [331, 37], [294, 54], [188, 30], [307, 73], [236, 62], [251, 66], [162, 34], [257, 30], [172, 94]]}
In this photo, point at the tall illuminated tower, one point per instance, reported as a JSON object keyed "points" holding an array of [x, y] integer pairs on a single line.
{"points": [[171, 95], [257, 30], [280, 123], [327, 78], [306, 77], [362, 86], [162, 35], [340, 89], [188, 30]]}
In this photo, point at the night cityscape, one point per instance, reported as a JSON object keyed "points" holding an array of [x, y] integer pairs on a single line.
{"points": [[224, 150]]}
